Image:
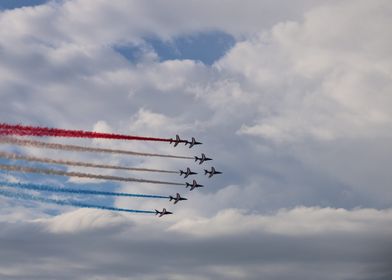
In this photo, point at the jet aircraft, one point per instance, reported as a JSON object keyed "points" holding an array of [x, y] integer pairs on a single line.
{"points": [[177, 198], [193, 185], [202, 159], [187, 172], [177, 141], [212, 172], [192, 143], [163, 212]]}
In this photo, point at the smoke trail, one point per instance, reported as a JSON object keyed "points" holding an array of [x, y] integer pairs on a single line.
{"points": [[38, 187], [45, 131], [68, 202], [77, 163], [82, 175], [39, 144]]}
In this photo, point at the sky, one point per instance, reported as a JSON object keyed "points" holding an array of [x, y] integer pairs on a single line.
{"points": [[292, 100]]}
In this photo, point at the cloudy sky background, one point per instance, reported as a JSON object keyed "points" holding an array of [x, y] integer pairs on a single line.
{"points": [[291, 98]]}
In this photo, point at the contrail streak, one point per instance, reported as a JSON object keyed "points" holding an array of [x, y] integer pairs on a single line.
{"points": [[39, 187], [23, 130], [55, 146], [68, 202], [82, 175], [14, 156]]}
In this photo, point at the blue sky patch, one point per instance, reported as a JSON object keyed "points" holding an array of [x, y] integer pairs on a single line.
{"points": [[13, 4], [206, 47], [130, 52]]}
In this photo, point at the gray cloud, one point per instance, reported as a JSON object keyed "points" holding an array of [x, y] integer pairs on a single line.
{"points": [[94, 250]]}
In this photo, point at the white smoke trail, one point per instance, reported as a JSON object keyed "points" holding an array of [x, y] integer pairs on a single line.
{"points": [[14, 156], [82, 175], [55, 146]]}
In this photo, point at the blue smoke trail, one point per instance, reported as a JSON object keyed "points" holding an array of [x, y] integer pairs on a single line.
{"points": [[68, 203], [38, 187]]}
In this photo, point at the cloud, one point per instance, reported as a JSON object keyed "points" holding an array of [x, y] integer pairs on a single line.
{"points": [[333, 243], [298, 90], [297, 116], [301, 221], [130, 21], [85, 220], [323, 85]]}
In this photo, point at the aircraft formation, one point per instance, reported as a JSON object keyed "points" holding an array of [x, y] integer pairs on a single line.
{"points": [[15, 135], [193, 185]]}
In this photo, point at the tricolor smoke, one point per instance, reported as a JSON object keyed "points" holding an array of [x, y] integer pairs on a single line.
{"points": [[55, 146], [22, 130], [46, 188], [14, 156], [68, 202], [82, 175]]}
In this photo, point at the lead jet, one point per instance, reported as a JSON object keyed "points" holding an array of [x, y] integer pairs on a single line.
{"points": [[192, 143], [193, 185], [164, 212], [187, 172], [177, 141], [202, 159], [212, 172], [177, 198]]}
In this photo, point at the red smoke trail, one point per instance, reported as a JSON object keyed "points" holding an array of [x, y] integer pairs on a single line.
{"points": [[22, 130]]}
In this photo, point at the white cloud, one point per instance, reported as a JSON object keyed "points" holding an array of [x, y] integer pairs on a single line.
{"points": [[300, 221], [293, 85], [84, 219], [90, 22], [318, 78], [310, 81]]}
